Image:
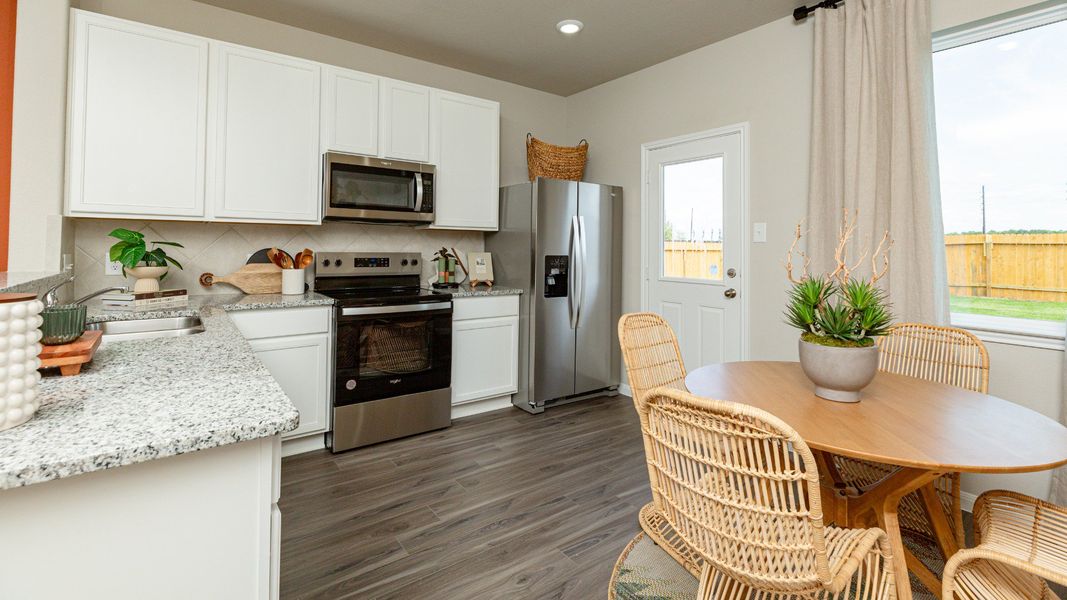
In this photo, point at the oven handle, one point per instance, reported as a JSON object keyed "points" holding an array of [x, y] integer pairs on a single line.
{"points": [[418, 192], [388, 310]]}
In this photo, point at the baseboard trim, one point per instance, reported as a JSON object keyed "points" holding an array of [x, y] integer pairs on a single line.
{"points": [[301, 445], [967, 500], [624, 389], [481, 406]]}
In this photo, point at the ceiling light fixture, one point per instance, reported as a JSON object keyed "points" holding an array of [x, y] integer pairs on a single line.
{"points": [[569, 26]]}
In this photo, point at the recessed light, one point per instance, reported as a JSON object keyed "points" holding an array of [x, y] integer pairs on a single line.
{"points": [[569, 26]]}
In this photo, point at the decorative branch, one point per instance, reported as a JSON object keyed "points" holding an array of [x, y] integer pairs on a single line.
{"points": [[806, 260]]}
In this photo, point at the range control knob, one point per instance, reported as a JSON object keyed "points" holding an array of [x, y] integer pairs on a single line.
{"points": [[414, 261], [337, 263], [326, 262], [404, 262]]}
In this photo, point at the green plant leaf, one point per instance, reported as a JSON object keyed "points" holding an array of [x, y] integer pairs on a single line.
{"points": [[174, 262], [170, 244], [132, 255], [116, 251], [126, 235], [156, 258]]}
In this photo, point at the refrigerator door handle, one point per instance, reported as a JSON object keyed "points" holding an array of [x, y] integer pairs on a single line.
{"points": [[581, 271], [574, 296]]}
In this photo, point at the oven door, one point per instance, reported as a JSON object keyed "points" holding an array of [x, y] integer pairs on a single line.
{"points": [[387, 351], [372, 189]]}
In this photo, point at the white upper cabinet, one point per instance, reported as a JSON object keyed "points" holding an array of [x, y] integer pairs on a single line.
{"points": [[137, 120], [405, 121], [349, 111], [264, 159], [466, 149]]}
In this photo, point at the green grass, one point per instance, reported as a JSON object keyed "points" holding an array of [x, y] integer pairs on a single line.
{"points": [[1001, 307]]}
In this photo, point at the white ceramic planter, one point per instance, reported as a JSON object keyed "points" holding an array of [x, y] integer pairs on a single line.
{"points": [[147, 278], [20, 323], [838, 373]]}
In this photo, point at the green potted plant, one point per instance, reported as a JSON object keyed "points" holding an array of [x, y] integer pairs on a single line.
{"points": [[839, 315], [148, 267]]}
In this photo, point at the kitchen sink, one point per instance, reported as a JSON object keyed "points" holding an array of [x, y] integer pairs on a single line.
{"points": [[143, 329]]}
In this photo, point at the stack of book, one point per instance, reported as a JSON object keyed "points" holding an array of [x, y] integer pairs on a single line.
{"points": [[144, 300]]}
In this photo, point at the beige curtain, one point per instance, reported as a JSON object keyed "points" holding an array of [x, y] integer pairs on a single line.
{"points": [[874, 148]]}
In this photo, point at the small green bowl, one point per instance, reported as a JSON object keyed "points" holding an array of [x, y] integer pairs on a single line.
{"points": [[62, 324]]}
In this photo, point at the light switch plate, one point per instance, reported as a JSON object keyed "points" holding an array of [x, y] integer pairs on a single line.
{"points": [[112, 267], [759, 233]]}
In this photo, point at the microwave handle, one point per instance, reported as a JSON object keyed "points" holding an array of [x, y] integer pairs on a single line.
{"points": [[418, 192]]}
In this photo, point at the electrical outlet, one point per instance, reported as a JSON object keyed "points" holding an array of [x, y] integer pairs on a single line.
{"points": [[759, 233], [112, 267]]}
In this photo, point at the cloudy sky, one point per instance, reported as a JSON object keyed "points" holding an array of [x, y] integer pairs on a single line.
{"points": [[1002, 122]]}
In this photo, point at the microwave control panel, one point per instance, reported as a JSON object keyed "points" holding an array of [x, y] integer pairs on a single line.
{"points": [[557, 269]]}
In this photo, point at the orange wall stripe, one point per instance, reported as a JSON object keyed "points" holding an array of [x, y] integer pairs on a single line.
{"points": [[8, 12]]}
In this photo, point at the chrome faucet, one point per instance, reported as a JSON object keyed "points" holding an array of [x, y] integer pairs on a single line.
{"points": [[51, 297]]}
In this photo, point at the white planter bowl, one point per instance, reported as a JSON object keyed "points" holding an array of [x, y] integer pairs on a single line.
{"points": [[838, 373], [20, 333], [147, 278]]}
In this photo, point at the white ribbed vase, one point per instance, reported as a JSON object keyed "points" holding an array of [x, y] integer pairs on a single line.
{"points": [[20, 332]]}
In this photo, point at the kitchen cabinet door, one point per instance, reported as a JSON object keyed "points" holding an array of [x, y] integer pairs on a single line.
{"points": [[485, 358], [300, 365], [405, 121], [265, 162], [349, 112], [466, 140], [137, 120]]}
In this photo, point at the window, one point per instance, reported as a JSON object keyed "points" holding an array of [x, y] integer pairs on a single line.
{"points": [[1000, 92], [692, 219]]}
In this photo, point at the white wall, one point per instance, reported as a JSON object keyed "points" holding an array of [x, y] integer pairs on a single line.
{"points": [[764, 77], [36, 233]]}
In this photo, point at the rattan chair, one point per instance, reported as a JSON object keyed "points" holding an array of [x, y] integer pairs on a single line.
{"points": [[741, 488], [944, 354], [1021, 543], [653, 360]]}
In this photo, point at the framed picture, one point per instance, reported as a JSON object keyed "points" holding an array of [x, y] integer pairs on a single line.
{"points": [[481, 267]]}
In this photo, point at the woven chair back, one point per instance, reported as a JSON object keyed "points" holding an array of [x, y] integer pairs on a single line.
{"points": [[944, 354], [650, 351], [741, 487]]}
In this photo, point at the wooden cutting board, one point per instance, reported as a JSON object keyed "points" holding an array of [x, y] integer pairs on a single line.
{"points": [[250, 279], [70, 357]]}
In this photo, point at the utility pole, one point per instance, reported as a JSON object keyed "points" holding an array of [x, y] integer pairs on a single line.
{"points": [[983, 210]]}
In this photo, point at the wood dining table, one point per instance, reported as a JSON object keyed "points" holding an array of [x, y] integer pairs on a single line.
{"points": [[925, 428]]}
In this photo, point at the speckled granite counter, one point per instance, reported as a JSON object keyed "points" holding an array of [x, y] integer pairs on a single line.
{"points": [[466, 292], [31, 282], [141, 400]]}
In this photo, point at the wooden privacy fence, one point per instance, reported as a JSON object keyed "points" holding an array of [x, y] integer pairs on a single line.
{"points": [[693, 260], [1030, 266]]}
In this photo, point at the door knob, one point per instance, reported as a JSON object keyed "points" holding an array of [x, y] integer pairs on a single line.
{"points": [[731, 273], [730, 293]]}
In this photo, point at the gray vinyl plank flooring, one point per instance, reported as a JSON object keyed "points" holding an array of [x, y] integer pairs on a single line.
{"points": [[500, 505]]}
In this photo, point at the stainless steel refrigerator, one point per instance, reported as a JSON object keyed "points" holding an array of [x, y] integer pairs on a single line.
{"points": [[561, 242]]}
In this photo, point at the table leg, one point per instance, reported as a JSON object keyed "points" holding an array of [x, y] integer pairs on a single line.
{"points": [[884, 500], [943, 531]]}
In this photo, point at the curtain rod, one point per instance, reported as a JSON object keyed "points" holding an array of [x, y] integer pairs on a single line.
{"points": [[802, 12]]}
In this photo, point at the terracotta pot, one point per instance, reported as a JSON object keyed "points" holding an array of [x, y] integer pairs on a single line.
{"points": [[147, 278], [838, 373]]}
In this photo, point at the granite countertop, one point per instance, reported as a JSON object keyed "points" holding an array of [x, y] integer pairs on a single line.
{"points": [[465, 291], [140, 400], [30, 281]]}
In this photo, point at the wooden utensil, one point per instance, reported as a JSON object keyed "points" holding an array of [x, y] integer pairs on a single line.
{"points": [[70, 357], [280, 258], [250, 279], [260, 256], [303, 259]]}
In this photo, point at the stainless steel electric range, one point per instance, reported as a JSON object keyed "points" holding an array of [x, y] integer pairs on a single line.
{"points": [[392, 350]]}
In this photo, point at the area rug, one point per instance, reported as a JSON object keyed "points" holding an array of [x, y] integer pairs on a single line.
{"points": [[645, 572]]}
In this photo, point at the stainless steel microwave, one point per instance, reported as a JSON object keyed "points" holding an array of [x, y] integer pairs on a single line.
{"points": [[362, 188]]}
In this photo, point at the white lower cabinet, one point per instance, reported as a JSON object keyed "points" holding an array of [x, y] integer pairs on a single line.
{"points": [[299, 365], [485, 348], [294, 345]]}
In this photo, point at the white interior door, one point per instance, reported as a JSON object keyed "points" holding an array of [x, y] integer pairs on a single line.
{"points": [[694, 224]]}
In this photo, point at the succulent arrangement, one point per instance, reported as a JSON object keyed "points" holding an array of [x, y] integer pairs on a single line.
{"points": [[131, 250], [837, 308]]}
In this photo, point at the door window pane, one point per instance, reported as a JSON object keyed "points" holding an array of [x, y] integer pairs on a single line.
{"points": [[693, 220]]}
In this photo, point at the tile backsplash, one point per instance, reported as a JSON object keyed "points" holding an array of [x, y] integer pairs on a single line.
{"points": [[222, 248]]}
